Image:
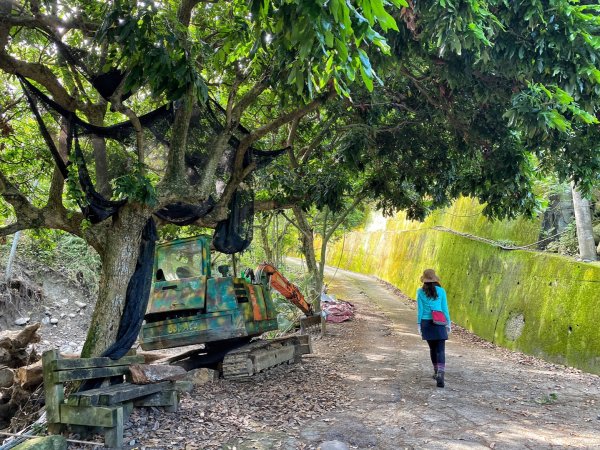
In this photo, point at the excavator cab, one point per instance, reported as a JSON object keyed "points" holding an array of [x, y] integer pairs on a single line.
{"points": [[188, 305]]}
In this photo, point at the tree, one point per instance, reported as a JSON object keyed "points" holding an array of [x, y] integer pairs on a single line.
{"points": [[477, 99], [475, 92], [113, 61], [583, 222]]}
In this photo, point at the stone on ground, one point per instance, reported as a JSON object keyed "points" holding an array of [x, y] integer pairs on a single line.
{"points": [[44, 443], [332, 445], [152, 373], [202, 376]]}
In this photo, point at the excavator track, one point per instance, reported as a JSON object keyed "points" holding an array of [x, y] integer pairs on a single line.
{"points": [[258, 356]]}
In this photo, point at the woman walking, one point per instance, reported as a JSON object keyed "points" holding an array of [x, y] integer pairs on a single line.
{"points": [[431, 299]]}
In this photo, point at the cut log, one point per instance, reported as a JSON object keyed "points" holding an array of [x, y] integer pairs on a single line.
{"points": [[20, 339], [7, 377], [144, 373], [13, 346], [31, 376]]}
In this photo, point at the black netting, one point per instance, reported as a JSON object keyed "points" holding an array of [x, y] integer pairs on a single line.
{"points": [[185, 214], [234, 234], [231, 236], [96, 208], [138, 293]]}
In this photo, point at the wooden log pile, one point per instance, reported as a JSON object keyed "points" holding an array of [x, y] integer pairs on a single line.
{"points": [[20, 371]]}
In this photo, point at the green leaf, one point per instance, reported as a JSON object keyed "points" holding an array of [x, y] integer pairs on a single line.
{"points": [[558, 121], [385, 19], [300, 82], [365, 63], [367, 80]]}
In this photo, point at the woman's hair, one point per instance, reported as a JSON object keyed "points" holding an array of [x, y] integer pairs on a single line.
{"points": [[430, 290]]}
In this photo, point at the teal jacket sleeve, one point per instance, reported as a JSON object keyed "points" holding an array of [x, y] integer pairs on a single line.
{"points": [[419, 306], [445, 305]]}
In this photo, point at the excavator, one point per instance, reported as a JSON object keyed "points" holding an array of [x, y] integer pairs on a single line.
{"points": [[188, 305]]}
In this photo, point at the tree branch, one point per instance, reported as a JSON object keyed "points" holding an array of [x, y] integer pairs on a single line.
{"points": [[117, 105], [295, 225], [247, 99], [15, 198], [340, 219], [58, 182], [308, 150], [30, 217], [42, 75], [185, 11], [11, 229], [290, 141], [285, 118]]}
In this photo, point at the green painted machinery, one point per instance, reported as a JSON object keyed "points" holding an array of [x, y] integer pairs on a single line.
{"points": [[188, 305]]}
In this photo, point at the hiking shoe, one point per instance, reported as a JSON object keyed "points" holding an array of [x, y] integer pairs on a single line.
{"points": [[440, 379]]}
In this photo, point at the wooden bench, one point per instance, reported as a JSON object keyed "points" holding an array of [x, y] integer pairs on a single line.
{"points": [[108, 406]]}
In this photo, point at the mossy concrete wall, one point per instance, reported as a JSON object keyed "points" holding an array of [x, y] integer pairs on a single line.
{"points": [[465, 216], [541, 304]]}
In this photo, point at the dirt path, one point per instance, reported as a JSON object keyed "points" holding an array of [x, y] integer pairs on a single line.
{"points": [[369, 386], [493, 398]]}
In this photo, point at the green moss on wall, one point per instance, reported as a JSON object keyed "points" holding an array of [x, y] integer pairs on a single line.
{"points": [[465, 216], [541, 304]]}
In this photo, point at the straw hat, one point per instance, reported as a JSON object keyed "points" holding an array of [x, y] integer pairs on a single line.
{"points": [[429, 276]]}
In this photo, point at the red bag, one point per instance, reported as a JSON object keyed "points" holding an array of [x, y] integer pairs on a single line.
{"points": [[439, 318]]}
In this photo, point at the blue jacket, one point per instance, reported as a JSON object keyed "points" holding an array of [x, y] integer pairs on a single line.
{"points": [[425, 304]]}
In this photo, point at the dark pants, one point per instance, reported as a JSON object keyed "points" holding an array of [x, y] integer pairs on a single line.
{"points": [[437, 351]]}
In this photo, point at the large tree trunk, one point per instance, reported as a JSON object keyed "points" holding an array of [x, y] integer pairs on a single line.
{"points": [[118, 264], [583, 220], [307, 242]]}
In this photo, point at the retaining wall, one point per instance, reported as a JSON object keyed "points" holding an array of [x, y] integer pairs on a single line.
{"points": [[542, 304]]}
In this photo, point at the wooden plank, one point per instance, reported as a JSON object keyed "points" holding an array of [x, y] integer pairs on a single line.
{"points": [[113, 437], [94, 416], [130, 392], [120, 391], [90, 397], [163, 398], [90, 374], [53, 391], [127, 410], [90, 363]]}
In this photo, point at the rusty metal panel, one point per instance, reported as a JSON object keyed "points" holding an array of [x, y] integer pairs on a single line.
{"points": [[256, 300], [256, 328], [269, 304], [195, 329], [220, 295], [183, 294]]}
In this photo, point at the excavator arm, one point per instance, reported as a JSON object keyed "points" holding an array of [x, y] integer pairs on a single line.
{"points": [[282, 285]]}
